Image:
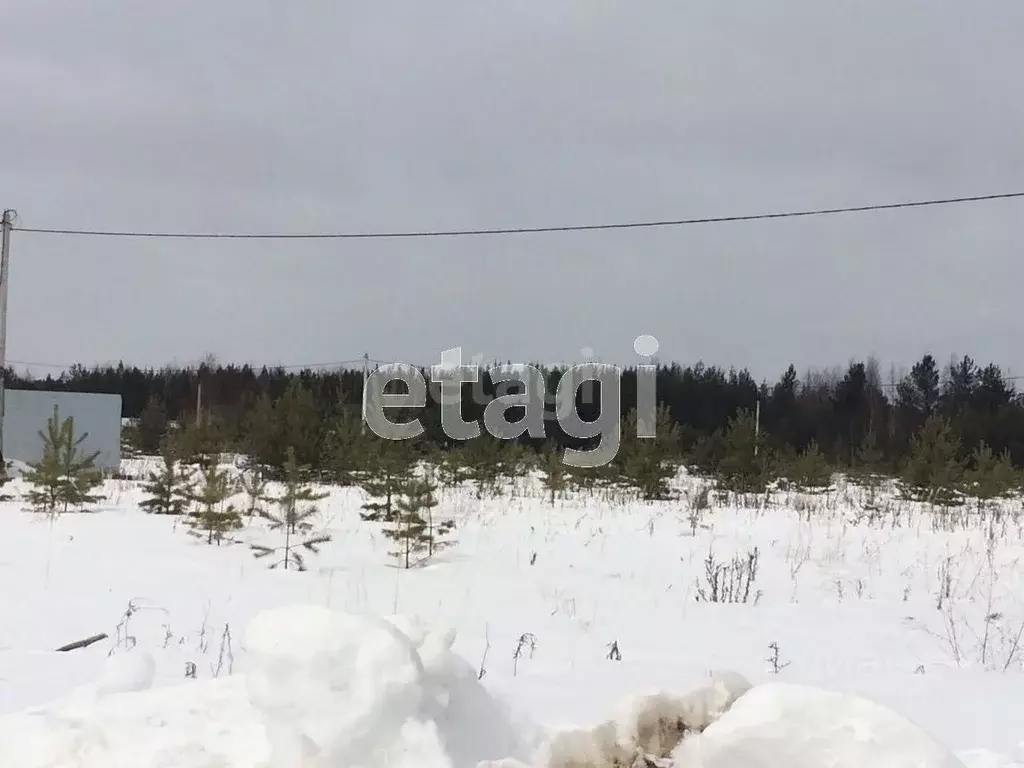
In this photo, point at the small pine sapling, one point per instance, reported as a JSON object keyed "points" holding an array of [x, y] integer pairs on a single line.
{"points": [[44, 476], [297, 505], [169, 491], [253, 483], [647, 465], [212, 517], [482, 459], [410, 523], [390, 467], [62, 478], [554, 477], [437, 529], [81, 477]]}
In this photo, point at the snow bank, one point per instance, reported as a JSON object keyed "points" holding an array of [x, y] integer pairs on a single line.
{"points": [[799, 727], [328, 690], [323, 690], [340, 690]]}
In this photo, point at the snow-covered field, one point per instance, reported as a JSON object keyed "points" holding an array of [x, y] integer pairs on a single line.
{"points": [[915, 612]]}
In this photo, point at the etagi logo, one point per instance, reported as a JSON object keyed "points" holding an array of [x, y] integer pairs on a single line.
{"points": [[451, 375]]}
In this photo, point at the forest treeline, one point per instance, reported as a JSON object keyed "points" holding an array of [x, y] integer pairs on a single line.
{"points": [[843, 415]]}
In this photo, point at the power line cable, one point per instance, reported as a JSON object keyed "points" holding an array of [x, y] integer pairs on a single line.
{"points": [[520, 230]]}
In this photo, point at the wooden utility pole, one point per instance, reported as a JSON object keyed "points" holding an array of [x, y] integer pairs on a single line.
{"points": [[757, 424], [6, 224], [366, 373]]}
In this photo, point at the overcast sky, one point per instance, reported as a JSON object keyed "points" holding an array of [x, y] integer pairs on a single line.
{"points": [[405, 115]]}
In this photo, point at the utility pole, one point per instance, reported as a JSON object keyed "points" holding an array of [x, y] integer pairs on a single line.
{"points": [[5, 256], [366, 373], [757, 424]]}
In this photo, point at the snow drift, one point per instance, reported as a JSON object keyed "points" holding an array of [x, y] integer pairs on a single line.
{"points": [[328, 690], [800, 727]]}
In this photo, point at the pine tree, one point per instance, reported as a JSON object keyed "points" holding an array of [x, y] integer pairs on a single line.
{"points": [[811, 471], [253, 483], [867, 468], [514, 460], [648, 464], [450, 470], [63, 479], [869, 457], [389, 467], [45, 476], [297, 506], [554, 476], [743, 467], [212, 518], [260, 438], [199, 443], [481, 458], [932, 472], [411, 523], [152, 427], [299, 424], [991, 477], [420, 498], [169, 491], [345, 446]]}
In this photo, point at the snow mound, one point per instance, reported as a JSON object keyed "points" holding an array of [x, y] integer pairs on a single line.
{"points": [[336, 690], [322, 690], [330, 690], [800, 727], [127, 672]]}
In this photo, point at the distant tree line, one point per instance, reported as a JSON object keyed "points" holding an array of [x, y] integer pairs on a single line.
{"points": [[846, 418]]}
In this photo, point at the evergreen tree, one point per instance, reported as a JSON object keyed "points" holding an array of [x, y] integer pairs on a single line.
{"points": [[867, 468], [390, 465], [450, 470], [202, 441], [212, 517], [345, 445], [152, 427], [708, 453], [63, 479], [553, 472], [587, 479], [932, 472], [991, 477], [261, 442], [253, 483], [810, 470], [481, 459], [411, 523], [296, 508], [169, 491], [419, 498], [744, 467], [514, 460], [649, 464], [869, 458], [45, 477], [300, 426]]}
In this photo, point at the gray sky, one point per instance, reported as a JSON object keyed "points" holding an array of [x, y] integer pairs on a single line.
{"points": [[405, 115]]}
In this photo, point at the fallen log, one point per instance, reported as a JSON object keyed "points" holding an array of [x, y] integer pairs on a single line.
{"points": [[83, 643]]}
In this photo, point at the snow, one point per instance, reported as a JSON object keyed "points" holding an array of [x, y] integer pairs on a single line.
{"points": [[214, 660], [800, 727]]}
